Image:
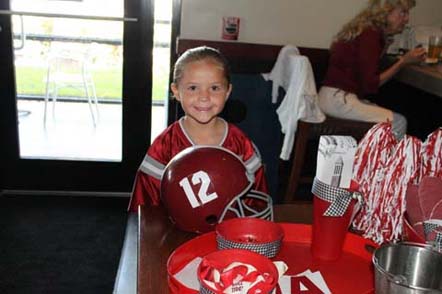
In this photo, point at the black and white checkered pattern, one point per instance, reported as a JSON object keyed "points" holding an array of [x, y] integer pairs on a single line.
{"points": [[430, 226], [435, 226], [204, 290], [269, 249], [339, 198], [437, 245]]}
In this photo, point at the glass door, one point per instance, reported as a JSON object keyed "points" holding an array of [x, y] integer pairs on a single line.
{"points": [[77, 98], [68, 74]]}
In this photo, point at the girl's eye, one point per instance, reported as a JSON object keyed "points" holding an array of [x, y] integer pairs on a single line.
{"points": [[191, 88], [216, 88]]}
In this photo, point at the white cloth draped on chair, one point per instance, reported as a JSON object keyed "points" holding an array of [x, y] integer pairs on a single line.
{"points": [[293, 72]]}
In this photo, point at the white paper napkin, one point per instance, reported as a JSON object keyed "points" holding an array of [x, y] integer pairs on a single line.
{"points": [[285, 282]]}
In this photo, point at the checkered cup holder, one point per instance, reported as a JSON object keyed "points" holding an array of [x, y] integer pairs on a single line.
{"points": [[433, 233], [257, 235]]}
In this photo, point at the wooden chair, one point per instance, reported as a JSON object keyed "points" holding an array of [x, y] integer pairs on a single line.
{"points": [[307, 132]]}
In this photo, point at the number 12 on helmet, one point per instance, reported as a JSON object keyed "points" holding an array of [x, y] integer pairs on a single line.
{"points": [[203, 185]]}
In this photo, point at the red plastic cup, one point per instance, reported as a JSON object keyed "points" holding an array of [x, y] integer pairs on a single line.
{"points": [[329, 231]]}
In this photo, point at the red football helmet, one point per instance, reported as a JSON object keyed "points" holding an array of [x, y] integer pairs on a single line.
{"points": [[203, 185]]}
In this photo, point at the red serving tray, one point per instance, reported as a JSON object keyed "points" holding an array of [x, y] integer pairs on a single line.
{"points": [[353, 273]]}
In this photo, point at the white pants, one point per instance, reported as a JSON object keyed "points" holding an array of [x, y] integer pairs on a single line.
{"points": [[338, 103]]}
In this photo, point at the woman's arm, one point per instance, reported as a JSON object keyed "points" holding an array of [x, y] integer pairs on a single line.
{"points": [[413, 56]]}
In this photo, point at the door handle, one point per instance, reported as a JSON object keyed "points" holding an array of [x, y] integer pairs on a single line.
{"points": [[22, 35]]}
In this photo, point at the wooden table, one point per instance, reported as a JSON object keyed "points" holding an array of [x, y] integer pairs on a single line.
{"points": [[416, 93], [425, 77], [158, 238]]}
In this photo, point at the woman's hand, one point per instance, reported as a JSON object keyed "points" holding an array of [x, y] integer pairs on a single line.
{"points": [[415, 55]]}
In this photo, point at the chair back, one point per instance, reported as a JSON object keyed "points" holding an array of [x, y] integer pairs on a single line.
{"points": [[69, 64], [306, 148]]}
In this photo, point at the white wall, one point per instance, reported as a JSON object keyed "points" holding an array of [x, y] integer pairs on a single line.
{"points": [[306, 23]]}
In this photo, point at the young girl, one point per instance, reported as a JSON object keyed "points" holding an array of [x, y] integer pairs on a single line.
{"points": [[354, 66], [201, 83]]}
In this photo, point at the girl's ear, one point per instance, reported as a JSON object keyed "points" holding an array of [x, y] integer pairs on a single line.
{"points": [[175, 91], [229, 90]]}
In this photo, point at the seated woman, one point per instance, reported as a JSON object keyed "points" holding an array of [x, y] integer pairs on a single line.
{"points": [[354, 66]]}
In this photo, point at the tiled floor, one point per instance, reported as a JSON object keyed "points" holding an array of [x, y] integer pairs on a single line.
{"points": [[70, 134]]}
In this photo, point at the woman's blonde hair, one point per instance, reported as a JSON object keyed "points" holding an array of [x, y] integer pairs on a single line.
{"points": [[374, 15]]}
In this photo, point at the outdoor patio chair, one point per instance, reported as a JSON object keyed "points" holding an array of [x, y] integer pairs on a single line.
{"points": [[69, 66]]}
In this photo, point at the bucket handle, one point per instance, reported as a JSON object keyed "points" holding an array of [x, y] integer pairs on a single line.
{"points": [[397, 279]]}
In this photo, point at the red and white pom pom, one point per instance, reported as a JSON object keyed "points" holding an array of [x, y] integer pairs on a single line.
{"points": [[371, 157], [383, 170], [402, 169], [432, 155]]}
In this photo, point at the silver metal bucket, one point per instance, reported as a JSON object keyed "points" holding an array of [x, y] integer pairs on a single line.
{"points": [[407, 268]]}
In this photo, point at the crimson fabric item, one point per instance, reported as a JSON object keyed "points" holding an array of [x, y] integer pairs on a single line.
{"points": [[412, 233], [413, 217], [430, 198], [414, 209], [203, 185], [424, 203]]}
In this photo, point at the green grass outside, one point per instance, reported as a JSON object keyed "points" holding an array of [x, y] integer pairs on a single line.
{"points": [[32, 81]]}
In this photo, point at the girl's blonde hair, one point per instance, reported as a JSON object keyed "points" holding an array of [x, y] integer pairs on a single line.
{"points": [[374, 15]]}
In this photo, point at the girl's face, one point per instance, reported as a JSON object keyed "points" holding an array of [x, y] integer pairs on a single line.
{"points": [[202, 90], [397, 19]]}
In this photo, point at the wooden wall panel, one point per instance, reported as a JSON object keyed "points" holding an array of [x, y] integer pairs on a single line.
{"points": [[257, 58]]}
